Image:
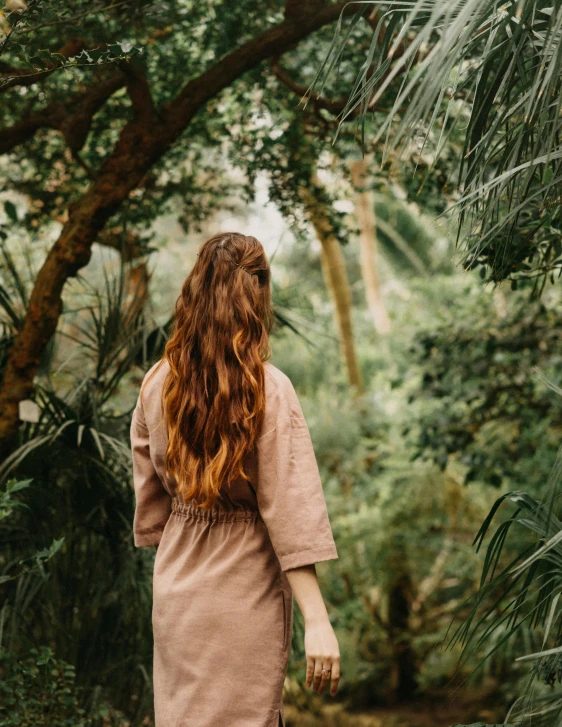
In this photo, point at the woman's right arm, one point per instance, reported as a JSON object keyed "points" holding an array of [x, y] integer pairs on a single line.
{"points": [[292, 504], [320, 642]]}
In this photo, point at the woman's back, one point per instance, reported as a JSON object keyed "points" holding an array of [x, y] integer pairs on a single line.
{"points": [[239, 493]]}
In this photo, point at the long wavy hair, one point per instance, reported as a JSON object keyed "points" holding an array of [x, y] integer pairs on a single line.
{"points": [[214, 393]]}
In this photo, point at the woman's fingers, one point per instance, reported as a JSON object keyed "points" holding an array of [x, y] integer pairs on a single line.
{"points": [[317, 674], [309, 671], [325, 676], [335, 677], [320, 673]]}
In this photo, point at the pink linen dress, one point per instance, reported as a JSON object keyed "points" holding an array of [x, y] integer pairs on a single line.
{"points": [[222, 612]]}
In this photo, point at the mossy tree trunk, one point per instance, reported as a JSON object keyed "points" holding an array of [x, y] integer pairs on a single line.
{"points": [[365, 212], [335, 276]]}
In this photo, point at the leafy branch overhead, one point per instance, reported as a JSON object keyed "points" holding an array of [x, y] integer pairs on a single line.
{"points": [[18, 23], [45, 62], [163, 106], [496, 69]]}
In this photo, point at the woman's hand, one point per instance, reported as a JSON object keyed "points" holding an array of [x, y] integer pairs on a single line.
{"points": [[322, 652], [320, 642]]}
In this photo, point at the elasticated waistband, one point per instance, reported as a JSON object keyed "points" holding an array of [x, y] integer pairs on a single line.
{"points": [[217, 514]]}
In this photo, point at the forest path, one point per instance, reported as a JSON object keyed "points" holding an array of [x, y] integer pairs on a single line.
{"points": [[439, 711]]}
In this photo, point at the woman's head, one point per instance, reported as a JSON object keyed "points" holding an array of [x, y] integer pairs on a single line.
{"points": [[214, 393]]}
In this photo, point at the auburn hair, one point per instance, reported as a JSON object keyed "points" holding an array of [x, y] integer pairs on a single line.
{"points": [[214, 393]]}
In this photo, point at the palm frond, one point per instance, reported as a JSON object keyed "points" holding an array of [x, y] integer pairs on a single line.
{"points": [[521, 596], [499, 67]]}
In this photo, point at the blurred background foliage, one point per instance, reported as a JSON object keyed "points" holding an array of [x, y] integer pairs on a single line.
{"points": [[432, 396]]}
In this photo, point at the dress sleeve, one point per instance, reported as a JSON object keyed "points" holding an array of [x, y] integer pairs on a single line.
{"points": [[289, 490], [153, 502]]}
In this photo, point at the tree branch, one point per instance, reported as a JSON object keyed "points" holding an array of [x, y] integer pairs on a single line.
{"points": [[11, 76], [77, 125], [85, 166], [298, 9], [72, 118], [373, 20], [335, 106], [127, 243], [141, 144], [138, 89], [49, 118]]}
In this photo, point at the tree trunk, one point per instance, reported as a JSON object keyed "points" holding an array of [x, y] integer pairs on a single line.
{"points": [[335, 275], [143, 141], [136, 290], [403, 669], [365, 211]]}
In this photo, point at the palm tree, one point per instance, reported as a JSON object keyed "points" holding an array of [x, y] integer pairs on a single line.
{"points": [[495, 69], [335, 276], [368, 244]]}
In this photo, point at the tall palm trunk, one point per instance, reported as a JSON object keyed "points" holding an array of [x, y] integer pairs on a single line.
{"points": [[365, 212], [335, 276], [137, 288]]}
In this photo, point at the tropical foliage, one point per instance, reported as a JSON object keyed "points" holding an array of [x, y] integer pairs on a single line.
{"points": [[494, 69], [132, 130]]}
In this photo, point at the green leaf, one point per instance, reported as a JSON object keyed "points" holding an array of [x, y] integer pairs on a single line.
{"points": [[11, 211], [59, 57], [16, 486], [92, 54]]}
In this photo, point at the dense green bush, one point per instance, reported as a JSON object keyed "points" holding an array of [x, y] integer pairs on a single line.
{"points": [[37, 690], [483, 392], [90, 603]]}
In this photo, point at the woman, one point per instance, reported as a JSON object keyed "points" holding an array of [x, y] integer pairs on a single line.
{"points": [[227, 488]]}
